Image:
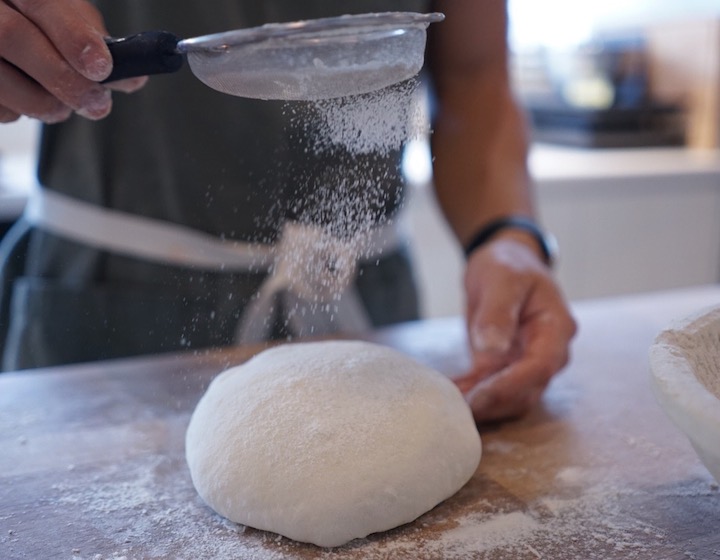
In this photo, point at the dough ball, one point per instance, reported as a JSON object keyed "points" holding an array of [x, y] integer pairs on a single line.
{"points": [[325, 442]]}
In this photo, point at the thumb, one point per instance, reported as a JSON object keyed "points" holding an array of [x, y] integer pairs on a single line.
{"points": [[493, 324], [489, 338]]}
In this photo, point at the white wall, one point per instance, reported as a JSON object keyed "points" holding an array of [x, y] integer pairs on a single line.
{"points": [[18, 137], [627, 221], [560, 23]]}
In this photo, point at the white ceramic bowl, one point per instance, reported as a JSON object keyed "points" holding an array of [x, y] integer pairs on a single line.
{"points": [[685, 365]]}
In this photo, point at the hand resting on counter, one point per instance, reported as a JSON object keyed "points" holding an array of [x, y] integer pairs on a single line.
{"points": [[519, 329]]}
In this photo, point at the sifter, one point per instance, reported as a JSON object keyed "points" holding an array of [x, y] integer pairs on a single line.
{"points": [[302, 60]]}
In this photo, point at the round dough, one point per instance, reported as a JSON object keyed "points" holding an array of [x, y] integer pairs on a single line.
{"points": [[325, 442]]}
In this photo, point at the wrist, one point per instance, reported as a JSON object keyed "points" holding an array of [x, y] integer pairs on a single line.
{"points": [[522, 227]]}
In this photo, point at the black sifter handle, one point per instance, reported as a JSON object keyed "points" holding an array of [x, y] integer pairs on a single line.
{"points": [[150, 52]]}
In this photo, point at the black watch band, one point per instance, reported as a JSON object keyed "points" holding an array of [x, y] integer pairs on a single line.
{"points": [[546, 243]]}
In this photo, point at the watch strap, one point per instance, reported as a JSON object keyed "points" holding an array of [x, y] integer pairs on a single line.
{"points": [[546, 243]]}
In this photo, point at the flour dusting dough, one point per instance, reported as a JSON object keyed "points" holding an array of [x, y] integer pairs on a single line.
{"points": [[325, 442]]}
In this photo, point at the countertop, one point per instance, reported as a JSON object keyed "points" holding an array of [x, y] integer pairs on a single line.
{"points": [[92, 465], [572, 167]]}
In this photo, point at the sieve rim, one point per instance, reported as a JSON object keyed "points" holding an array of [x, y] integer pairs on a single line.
{"points": [[332, 25]]}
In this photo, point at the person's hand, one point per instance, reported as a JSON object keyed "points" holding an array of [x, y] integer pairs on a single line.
{"points": [[519, 329], [52, 56]]}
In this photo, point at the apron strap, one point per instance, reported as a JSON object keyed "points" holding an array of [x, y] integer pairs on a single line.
{"points": [[138, 236], [310, 272], [311, 283]]}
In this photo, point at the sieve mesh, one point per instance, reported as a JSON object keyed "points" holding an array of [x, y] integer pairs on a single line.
{"points": [[313, 66]]}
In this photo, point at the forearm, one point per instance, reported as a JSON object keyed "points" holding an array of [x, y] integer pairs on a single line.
{"points": [[518, 324], [479, 136], [480, 155]]}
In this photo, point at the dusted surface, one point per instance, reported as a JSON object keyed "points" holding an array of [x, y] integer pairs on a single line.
{"points": [[92, 465]]}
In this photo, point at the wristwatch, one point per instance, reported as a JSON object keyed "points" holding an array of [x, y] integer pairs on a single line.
{"points": [[546, 241]]}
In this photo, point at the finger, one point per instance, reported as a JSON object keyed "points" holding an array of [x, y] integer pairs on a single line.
{"points": [[24, 46], [129, 85], [488, 405], [8, 116], [520, 385], [503, 396], [76, 30], [483, 366], [494, 319], [20, 95]]}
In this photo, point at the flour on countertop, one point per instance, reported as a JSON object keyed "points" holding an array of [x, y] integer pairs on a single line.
{"points": [[147, 509]]}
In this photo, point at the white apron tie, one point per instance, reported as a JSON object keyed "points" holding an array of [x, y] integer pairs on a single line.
{"points": [[311, 282], [310, 272]]}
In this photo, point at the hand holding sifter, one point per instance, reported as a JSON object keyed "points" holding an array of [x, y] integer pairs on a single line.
{"points": [[304, 60]]}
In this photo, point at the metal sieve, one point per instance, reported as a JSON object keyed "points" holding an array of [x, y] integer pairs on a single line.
{"points": [[303, 60]]}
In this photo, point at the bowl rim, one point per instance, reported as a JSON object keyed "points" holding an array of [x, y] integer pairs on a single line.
{"points": [[688, 402]]}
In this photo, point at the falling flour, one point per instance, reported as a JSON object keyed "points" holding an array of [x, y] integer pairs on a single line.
{"points": [[343, 192], [377, 122]]}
